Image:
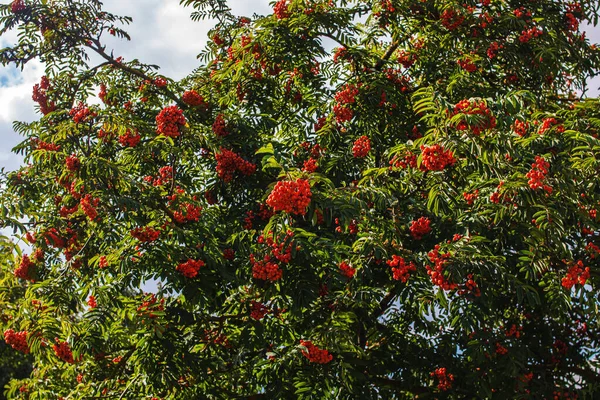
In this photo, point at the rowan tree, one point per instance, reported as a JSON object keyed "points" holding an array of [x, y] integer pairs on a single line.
{"points": [[411, 213]]}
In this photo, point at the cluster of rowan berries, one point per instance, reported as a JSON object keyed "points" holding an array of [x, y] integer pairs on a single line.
{"points": [[406, 59], [408, 161], [72, 163], [229, 162], [528, 34], [436, 158], [265, 270], [400, 268], [290, 196], [169, 120], [577, 274], [192, 98], [310, 165], [471, 197], [315, 354], [88, 205], [520, 127], [63, 351], [150, 305], [188, 213], [281, 9], [451, 19], [145, 234], [258, 310], [436, 274], [485, 119], [420, 227], [467, 64], [190, 268], [91, 302], [25, 270], [129, 138], [361, 147], [347, 270], [521, 12], [548, 123], [81, 113], [444, 379], [17, 340], [514, 330], [493, 49], [501, 350], [342, 99], [17, 6], [537, 174], [41, 145], [264, 213], [219, 127], [564, 395], [40, 95], [470, 287]]}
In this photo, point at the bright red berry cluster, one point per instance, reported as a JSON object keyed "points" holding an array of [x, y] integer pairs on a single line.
{"points": [[347, 270], [406, 59], [17, 340], [169, 120], [190, 268], [492, 51], [72, 163], [188, 213], [530, 33], [577, 274], [192, 98], [343, 98], [548, 123], [91, 302], [88, 205], [420, 227], [63, 351], [471, 197], [228, 254], [129, 139], [400, 268], [436, 274], [484, 118], [265, 270], [315, 354], [229, 162], [25, 270], [537, 174], [408, 161], [451, 19], [219, 127], [145, 234], [361, 147], [444, 379], [40, 91], [467, 64], [150, 305], [81, 113], [436, 158], [470, 287], [17, 6], [281, 9], [258, 310], [520, 127], [310, 165], [290, 196]]}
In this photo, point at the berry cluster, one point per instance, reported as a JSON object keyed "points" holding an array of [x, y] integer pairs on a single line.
{"points": [[436, 158], [40, 91], [408, 161], [400, 269], [501, 350], [483, 119], [88, 205], [290, 196], [530, 33], [436, 274], [315, 354], [188, 213], [169, 120], [229, 162], [467, 65], [129, 139], [406, 59], [361, 147], [470, 287], [420, 227], [347, 270], [25, 270], [281, 9], [192, 98], [537, 174], [145, 234], [265, 270], [471, 197], [310, 165], [81, 113], [190, 268], [548, 123], [17, 6], [346, 96], [451, 19], [258, 310], [520, 127], [149, 305], [492, 51], [91, 302], [219, 127], [72, 163], [444, 379], [228, 254], [17, 340], [63, 351], [102, 93], [577, 274]]}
